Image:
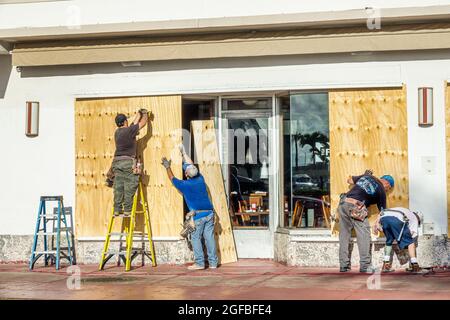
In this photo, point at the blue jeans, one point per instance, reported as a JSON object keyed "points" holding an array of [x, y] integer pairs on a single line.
{"points": [[204, 227]]}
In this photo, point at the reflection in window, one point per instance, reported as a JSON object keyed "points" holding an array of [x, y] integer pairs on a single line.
{"points": [[306, 161]]}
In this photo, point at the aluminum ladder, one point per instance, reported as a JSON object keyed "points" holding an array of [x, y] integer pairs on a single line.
{"points": [[53, 252], [128, 253]]}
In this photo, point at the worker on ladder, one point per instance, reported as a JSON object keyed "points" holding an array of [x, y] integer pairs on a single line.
{"points": [[126, 167], [195, 194]]}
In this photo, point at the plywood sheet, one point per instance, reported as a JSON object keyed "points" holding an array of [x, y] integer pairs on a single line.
{"points": [[94, 134], [368, 130], [447, 133], [207, 157]]}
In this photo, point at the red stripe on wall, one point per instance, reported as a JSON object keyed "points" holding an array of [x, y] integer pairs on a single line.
{"points": [[29, 117], [424, 102]]}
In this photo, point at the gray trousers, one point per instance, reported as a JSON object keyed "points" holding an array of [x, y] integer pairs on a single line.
{"points": [[362, 228]]}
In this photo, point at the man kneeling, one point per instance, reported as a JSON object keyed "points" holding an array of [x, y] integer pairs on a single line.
{"points": [[401, 225], [196, 196]]}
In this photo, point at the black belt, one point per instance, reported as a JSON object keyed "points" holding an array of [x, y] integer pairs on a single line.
{"points": [[118, 158]]}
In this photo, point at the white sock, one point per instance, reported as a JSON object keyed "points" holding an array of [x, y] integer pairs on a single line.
{"points": [[413, 260], [387, 258]]}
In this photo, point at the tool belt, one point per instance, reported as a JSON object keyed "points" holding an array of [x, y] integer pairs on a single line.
{"points": [[359, 210], [189, 224], [137, 169]]}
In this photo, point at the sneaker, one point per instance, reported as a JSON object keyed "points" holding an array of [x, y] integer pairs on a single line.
{"points": [[127, 214], [212, 267], [116, 213], [345, 269], [368, 270], [195, 267], [387, 267]]}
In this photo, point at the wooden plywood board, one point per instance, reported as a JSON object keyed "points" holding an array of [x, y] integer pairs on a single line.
{"points": [[368, 130], [447, 133], [207, 157], [95, 146]]}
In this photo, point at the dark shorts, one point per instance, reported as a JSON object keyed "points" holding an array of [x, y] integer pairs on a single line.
{"points": [[392, 227]]}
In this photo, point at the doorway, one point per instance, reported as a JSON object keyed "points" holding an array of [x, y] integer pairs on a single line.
{"points": [[246, 157]]}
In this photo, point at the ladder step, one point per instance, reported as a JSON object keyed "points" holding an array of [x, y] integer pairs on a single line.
{"points": [[45, 252], [118, 234], [51, 198], [124, 252], [41, 232]]}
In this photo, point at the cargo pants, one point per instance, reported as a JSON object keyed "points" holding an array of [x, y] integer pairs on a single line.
{"points": [[363, 238], [125, 185]]}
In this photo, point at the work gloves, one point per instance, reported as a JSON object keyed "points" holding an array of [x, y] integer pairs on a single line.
{"points": [[166, 163]]}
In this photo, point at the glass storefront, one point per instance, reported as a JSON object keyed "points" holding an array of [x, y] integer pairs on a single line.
{"points": [[305, 155], [306, 161]]}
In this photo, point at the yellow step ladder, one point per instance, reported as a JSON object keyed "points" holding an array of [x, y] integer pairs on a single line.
{"points": [[128, 253]]}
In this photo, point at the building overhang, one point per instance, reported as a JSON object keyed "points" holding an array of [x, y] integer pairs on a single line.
{"points": [[234, 45]]}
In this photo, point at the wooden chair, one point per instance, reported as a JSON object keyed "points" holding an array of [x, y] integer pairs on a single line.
{"points": [[326, 209], [243, 207], [255, 200], [298, 213]]}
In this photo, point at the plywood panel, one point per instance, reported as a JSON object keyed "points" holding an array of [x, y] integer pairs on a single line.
{"points": [[368, 130], [207, 156], [95, 146], [447, 132]]}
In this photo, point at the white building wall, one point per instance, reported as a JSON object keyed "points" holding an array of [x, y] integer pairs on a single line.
{"points": [[86, 12], [46, 164]]}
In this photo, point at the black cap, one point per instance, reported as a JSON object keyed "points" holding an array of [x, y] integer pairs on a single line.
{"points": [[120, 119]]}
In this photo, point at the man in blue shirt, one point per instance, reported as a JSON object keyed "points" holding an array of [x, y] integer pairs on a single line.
{"points": [[195, 194]]}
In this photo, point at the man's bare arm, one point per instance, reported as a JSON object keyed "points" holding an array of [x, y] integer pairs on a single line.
{"points": [[350, 180], [170, 173], [137, 118], [143, 121]]}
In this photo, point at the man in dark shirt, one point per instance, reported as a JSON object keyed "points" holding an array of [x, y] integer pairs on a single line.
{"points": [[125, 180], [366, 190], [195, 194]]}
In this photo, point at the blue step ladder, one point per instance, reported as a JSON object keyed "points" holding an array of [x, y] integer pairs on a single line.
{"points": [[52, 250]]}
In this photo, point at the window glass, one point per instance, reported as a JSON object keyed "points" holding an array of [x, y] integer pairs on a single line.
{"points": [[306, 161]]}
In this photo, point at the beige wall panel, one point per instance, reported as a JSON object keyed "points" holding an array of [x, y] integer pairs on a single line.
{"points": [[368, 130], [94, 132], [207, 153]]}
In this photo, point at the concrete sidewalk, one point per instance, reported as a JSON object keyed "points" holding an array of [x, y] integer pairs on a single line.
{"points": [[245, 279]]}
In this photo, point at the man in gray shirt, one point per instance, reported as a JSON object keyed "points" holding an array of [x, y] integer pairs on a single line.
{"points": [[125, 180]]}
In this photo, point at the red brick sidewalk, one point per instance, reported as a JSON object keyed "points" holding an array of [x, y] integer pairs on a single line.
{"points": [[246, 279]]}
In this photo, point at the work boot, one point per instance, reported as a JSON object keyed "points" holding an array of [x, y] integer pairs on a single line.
{"points": [[415, 268], [387, 267], [195, 267], [345, 269]]}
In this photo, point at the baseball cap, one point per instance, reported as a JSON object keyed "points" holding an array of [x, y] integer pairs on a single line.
{"points": [[389, 179], [120, 119]]}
